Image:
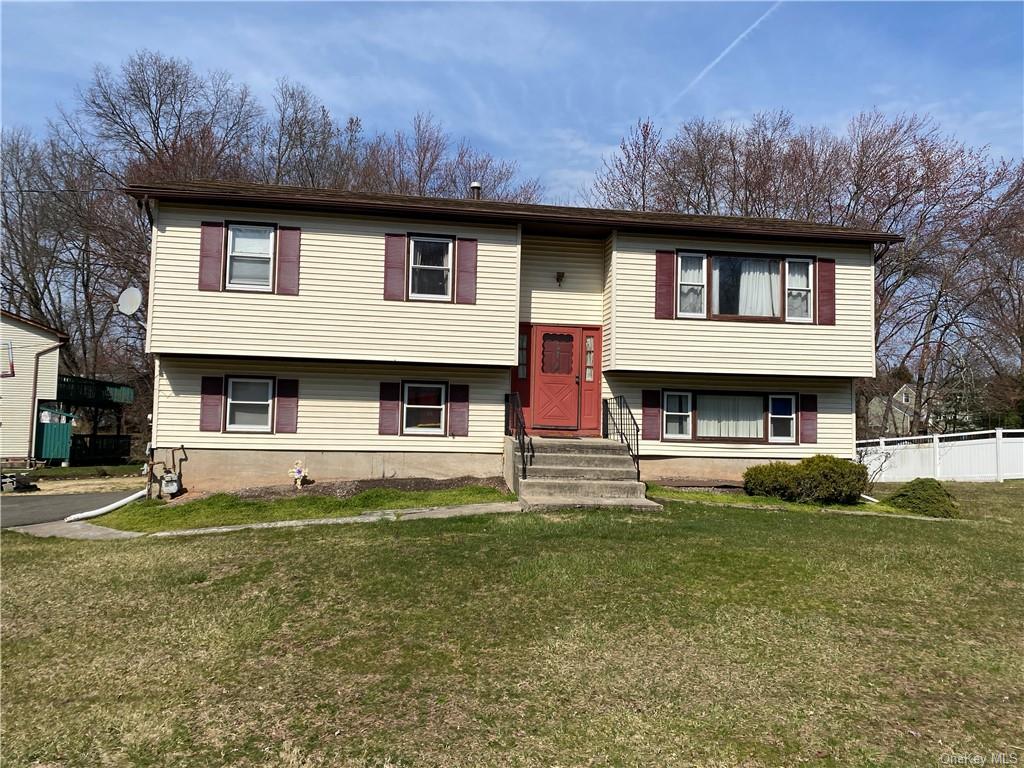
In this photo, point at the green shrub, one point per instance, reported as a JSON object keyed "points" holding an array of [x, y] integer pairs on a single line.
{"points": [[925, 496], [819, 479], [830, 480], [776, 479]]}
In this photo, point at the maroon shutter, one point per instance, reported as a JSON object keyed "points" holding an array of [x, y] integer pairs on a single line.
{"points": [[390, 408], [288, 243], [465, 271], [395, 247], [211, 404], [651, 414], [286, 407], [458, 410], [211, 255], [826, 291], [808, 418], [664, 284]]}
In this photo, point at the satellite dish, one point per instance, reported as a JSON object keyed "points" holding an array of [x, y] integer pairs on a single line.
{"points": [[129, 301]]}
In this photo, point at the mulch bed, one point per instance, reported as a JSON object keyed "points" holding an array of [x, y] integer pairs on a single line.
{"points": [[342, 489]]}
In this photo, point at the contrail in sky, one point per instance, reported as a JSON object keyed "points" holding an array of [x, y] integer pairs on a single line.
{"points": [[700, 76]]}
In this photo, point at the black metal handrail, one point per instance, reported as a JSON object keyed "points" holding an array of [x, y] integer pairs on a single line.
{"points": [[515, 425], [620, 424]]}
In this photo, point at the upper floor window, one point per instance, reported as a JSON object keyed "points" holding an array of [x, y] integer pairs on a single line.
{"points": [[692, 285], [906, 397], [430, 268], [746, 286], [799, 290], [250, 257], [249, 404]]}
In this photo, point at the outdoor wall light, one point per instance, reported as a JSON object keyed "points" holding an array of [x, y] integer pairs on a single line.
{"points": [[559, 277]]}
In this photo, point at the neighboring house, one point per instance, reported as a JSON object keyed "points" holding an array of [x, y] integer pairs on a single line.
{"points": [[379, 335], [29, 353], [893, 415]]}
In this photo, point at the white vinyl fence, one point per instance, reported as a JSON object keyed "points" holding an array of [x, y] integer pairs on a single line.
{"points": [[992, 455]]}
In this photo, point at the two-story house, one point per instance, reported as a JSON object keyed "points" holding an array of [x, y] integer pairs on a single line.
{"points": [[380, 335]]}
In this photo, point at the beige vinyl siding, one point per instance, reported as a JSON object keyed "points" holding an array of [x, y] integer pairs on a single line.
{"points": [[607, 306], [17, 410], [578, 301], [338, 406], [836, 418], [641, 342], [340, 312]]}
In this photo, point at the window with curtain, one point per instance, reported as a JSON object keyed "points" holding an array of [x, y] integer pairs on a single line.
{"points": [[798, 290], [730, 416], [692, 284], [746, 287]]}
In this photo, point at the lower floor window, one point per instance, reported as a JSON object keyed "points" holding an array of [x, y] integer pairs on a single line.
{"points": [[423, 408], [730, 416], [782, 419], [249, 404], [677, 415]]}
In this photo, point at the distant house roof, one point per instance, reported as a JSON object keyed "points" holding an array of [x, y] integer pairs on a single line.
{"points": [[537, 217], [33, 323]]}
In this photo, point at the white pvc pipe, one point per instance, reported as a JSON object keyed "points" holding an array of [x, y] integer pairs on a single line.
{"points": [[869, 498], [104, 510]]}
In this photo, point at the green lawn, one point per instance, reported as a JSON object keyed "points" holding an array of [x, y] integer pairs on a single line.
{"points": [[698, 636], [79, 473], [225, 509]]}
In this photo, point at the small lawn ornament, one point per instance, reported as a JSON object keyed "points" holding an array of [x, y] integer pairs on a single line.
{"points": [[298, 474]]}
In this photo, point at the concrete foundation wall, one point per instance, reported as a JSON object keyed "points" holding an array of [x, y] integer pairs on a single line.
{"points": [[698, 470], [209, 469]]}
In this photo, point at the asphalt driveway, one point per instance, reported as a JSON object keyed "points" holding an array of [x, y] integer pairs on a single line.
{"points": [[28, 508]]}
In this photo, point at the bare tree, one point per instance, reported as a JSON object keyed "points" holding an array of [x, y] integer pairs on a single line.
{"points": [[630, 178]]}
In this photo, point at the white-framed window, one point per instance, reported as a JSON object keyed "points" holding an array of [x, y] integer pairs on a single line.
{"points": [[677, 415], [7, 350], [781, 418], [423, 408], [250, 403], [430, 268], [250, 257], [799, 290], [691, 299], [906, 397]]}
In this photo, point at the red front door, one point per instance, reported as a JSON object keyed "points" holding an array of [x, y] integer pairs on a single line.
{"points": [[556, 371]]}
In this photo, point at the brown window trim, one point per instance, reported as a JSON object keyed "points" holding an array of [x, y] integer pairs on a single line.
{"points": [[401, 403], [709, 257], [408, 267], [273, 405], [764, 395], [227, 258]]}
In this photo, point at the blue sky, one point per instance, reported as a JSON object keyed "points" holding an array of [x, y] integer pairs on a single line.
{"points": [[553, 86]]}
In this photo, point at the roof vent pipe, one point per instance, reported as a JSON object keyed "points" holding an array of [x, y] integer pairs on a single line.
{"points": [[475, 187]]}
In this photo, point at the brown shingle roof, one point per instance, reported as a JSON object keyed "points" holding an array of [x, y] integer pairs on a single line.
{"points": [[276, 196]]}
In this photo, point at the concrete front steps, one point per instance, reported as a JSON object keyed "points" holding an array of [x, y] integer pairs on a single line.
{"points": [[570, 473]]}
